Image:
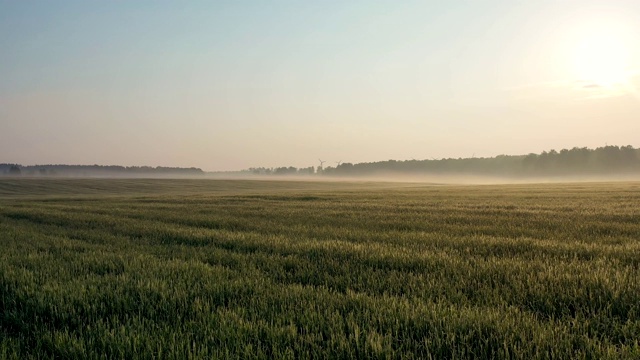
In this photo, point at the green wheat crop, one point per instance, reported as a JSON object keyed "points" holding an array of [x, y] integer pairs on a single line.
{"points": [[179, 269]]}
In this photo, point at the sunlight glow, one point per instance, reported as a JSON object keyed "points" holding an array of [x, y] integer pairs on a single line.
{"points": [[602, 58]]}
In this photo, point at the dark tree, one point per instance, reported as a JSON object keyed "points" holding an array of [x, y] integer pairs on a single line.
{"points": [[14, 170]]}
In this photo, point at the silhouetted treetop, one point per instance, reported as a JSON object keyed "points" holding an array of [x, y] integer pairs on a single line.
{"points": [[576, 161], [96, 170]]}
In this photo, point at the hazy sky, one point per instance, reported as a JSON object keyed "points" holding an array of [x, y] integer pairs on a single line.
{"points": [[227, 85]]}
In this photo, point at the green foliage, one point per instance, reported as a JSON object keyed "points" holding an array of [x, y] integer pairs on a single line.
{"points": [[242, 269], [576, 161], [602, 161], [97, 170]]}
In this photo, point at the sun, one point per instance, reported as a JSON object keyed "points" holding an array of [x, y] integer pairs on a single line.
{"points": [[601, 58]]}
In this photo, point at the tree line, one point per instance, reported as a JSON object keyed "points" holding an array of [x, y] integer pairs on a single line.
{"points": [[94, 170], [576, 161]]}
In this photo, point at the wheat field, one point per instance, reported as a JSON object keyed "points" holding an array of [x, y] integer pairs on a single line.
{"points": [[236, 269]]}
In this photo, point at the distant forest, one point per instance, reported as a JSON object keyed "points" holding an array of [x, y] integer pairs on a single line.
{"points": [[607, 160], [95, 170], [577, 161]]}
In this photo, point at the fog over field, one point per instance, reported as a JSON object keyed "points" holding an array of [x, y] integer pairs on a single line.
{"points": [[577, 164], [268, 179]]}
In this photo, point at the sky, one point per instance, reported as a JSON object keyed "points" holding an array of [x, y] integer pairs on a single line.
{"points": [[229, 85]]}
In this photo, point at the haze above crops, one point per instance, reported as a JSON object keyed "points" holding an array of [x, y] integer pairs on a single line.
{"points": [[320, 179]]}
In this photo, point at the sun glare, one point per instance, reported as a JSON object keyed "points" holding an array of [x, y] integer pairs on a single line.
{"points": [[601, 58]]}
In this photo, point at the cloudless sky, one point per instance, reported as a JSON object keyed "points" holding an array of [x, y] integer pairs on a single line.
{"points": [[228, 85]]}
